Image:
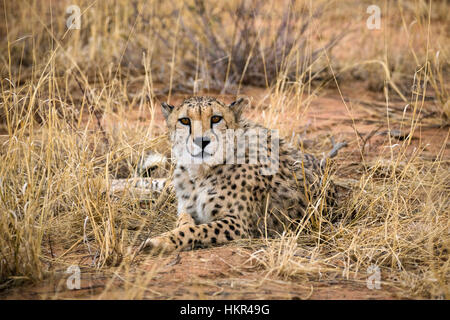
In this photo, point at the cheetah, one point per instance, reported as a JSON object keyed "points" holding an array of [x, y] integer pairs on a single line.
{"points": [[234, 197]]}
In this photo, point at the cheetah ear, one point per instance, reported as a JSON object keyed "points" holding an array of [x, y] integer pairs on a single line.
{"points": [[238, 106], [166, 109]]}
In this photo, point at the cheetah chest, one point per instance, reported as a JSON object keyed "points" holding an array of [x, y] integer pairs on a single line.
{"points": [[195, 198]]}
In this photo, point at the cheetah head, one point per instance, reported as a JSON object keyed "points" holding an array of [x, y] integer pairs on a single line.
{"points": [[198, 127]]}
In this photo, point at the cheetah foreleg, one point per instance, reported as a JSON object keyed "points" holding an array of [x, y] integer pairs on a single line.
{"points": [[188, 236], [184, 219]]}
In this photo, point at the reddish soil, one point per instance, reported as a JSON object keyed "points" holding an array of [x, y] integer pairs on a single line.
{"points": [[215, 273], [226, 272]]}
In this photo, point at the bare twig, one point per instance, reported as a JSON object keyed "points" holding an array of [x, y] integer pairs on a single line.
{"points": [[92, 109]]}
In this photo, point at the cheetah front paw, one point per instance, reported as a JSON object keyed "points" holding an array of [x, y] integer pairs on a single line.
{"points": [[157, 245]]}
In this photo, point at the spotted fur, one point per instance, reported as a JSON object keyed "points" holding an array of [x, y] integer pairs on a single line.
{"points": [[224, 202]]}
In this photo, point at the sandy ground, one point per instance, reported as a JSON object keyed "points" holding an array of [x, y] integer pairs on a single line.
{"points": [[227, 272], [214, 273]]}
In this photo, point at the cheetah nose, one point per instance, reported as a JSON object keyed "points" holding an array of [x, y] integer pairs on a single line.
{"points": [[202, 142]]}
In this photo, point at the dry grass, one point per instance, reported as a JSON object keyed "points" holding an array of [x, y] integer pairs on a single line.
{"points": [[397, 219], [79, 107]]}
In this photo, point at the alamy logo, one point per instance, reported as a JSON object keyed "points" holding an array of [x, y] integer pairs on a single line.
{"points": [[74, 280], [374, 277], [374, 20], [74, 20]]}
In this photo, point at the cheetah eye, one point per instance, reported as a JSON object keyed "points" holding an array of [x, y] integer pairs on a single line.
{"points": [[216, 119], [185, 121]]}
